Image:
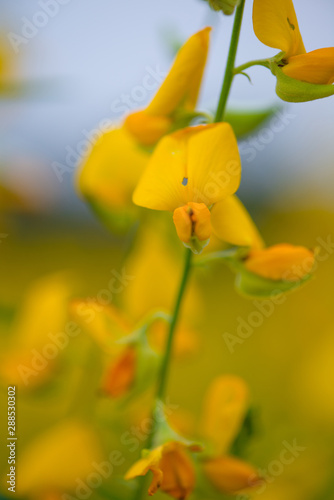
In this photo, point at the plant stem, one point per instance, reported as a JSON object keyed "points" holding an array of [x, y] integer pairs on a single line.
{"points": [[256, 62], [160, 394], [163, 376], [229, 70]]}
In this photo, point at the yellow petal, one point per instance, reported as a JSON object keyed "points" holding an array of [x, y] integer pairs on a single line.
{"points": [[231, 475], [198, 164], [232, 223], [112, 169], [160, 187], [314, 67], [182, 84], [213, 163], [57, 457], [275, 24], [281, 262], [142, 466], [225, 408]]}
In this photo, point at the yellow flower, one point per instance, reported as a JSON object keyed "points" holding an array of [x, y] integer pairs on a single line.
{"points": [[43, 313], [178, 93], [172, 468], [192, 172], [275, 24], [225, 409], [109, 175], [56, 458], [283, 262]]}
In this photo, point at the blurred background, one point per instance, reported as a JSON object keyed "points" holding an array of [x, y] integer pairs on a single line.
{"points": [[84, 64]]}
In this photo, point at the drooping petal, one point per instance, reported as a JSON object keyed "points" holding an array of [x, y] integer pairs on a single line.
{"points": [[178, 472], [121, 373], [112, 169], [173, 471], [275, 24], [232, 223], [314, 67], [182, 83], [281, 262], [213, 163], [224, 411], [231, 475]]}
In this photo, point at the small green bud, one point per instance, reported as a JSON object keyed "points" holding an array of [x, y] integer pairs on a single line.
{"points": [[227, 6], [292, 90]]}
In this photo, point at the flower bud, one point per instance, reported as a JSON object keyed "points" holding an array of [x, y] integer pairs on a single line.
{"points": [[193, 225], [227, 6]]}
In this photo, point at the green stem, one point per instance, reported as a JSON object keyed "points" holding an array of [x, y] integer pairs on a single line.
{"points": [[160, 394], [229, 71], [256, 62], [163, 376]]}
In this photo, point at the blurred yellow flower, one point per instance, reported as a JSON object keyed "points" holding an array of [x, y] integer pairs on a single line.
{"points": [[172, 468], [283, 262], [109, 175], [225, 409], [57, 458], [275, 24], [128, 356], [31, 354], [192, 171]]}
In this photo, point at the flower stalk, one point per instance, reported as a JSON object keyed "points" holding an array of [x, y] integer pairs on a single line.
{"points": [[229, 71]]}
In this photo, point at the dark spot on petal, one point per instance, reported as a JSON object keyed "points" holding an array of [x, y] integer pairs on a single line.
{"points": [[292, 26], [185, 181]]}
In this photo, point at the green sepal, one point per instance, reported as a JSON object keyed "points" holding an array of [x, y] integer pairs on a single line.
{"points": [[292, 90], [245, 122], [253, 285], [164, 432], [226, 6]]}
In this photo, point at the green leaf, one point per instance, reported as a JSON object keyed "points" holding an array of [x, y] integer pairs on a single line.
{"points": [[245, 122]]}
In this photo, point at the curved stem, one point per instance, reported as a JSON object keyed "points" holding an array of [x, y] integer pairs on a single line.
{"points": [[256, 62], [229, 71]]}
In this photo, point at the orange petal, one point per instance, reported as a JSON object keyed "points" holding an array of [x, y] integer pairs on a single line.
{"points": [[314, 67], [231, 475], [281, 262]]}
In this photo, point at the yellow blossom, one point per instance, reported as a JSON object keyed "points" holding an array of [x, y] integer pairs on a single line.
{"points": [[283, 262], [109, 175], [191, 172], [172, 468], [275, 24], [225, 408]]}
